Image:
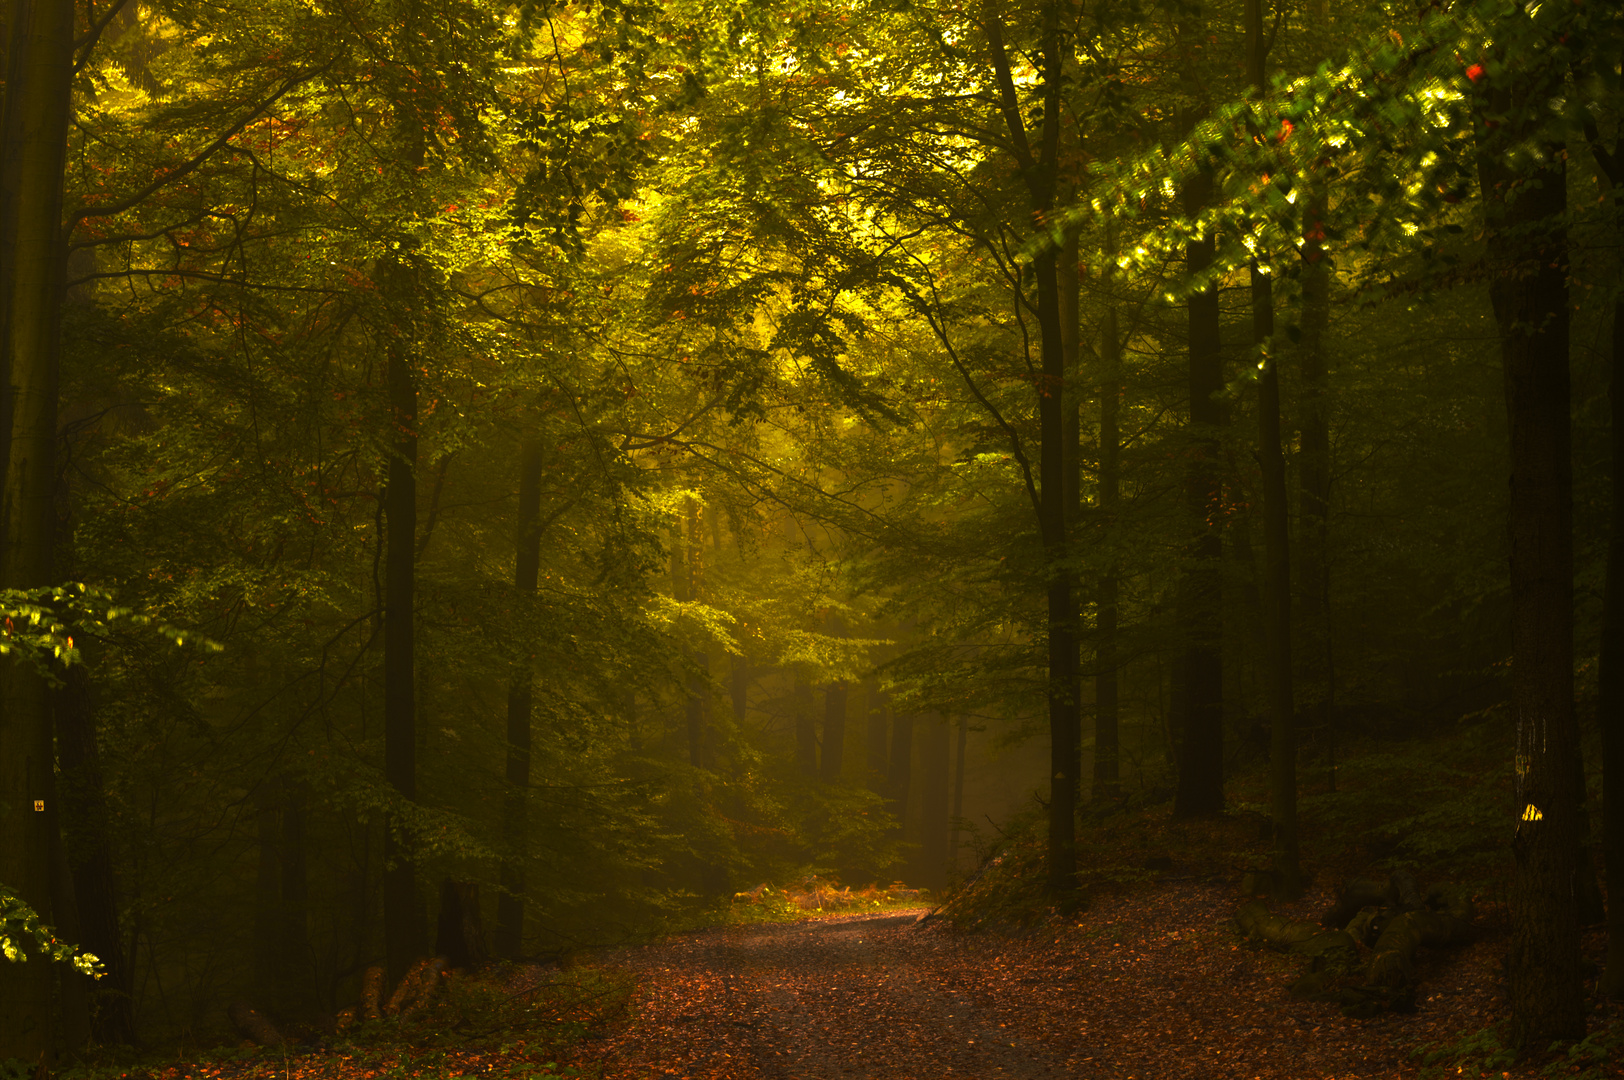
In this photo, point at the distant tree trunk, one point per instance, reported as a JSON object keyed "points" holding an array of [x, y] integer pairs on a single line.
{"points": [[88, 848], [516, 800], [739, 686], [877, 734], [933, 836], [899, 776], [958, 792], [1288, 878], [834, 731], [1527, 251], [268, 890], [1312, 627], [402, 917], [1201, 672], [698, 696], [33, 137], [806, 729], [1107, 717]]}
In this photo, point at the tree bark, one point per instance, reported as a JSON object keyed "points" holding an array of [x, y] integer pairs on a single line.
{"points": [[33, 135], [1200, 724], [699, 679], [834, 731], [516, 801], [739, 686], [1526, 249], [958, 792], [1040, 172], [1610, 696], [899, 776], [88, 844], [1107, 709], [402, 917], [806, 730], [1288, 878], [933, 835], [877, 734]]}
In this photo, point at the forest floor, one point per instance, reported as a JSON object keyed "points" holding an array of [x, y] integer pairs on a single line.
{"points": [[1153, 984]]}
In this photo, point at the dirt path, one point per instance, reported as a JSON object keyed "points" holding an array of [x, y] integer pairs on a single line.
{"points": [[1153, 987]]}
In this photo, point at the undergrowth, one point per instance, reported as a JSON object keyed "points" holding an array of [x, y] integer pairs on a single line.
{"points": [[1481, 1054], [815, 895]]}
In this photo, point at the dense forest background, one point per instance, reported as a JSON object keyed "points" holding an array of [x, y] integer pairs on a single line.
{"points": [[618, 454]]}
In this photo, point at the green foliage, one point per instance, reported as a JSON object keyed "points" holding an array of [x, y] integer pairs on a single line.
{"points": [[22, 932], [1483, 1054]]}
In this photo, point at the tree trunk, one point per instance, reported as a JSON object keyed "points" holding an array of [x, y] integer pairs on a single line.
{"points": [[1610, 696], [877, 735], [739, 687], [900, 774], [402, 918], [516, 800], [1107, 710], [1288, 878], [293, 927], [834, 731], [460, 933], [88, 847], [699, 679], [958, 792], [33, 134], [1526, 249], [1040, 171], [806, 729], [933, 835], [1200, 724]]}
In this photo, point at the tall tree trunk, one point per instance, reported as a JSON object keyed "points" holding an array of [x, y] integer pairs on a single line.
{"points": [[899, 775], [1610, 696], [958, 792], [739, 686], [1526, 249], [834, 731], [33, 135], [402, 913], [267, 887], [294, 929], [88, 846], [877, 734], [699, 678], [936, 791], [1200, 695], [806, 729], [516, 800], [1288, 878], [1107, 714], [1040, 171]]}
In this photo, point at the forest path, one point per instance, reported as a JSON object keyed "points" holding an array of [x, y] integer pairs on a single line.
{"points": [[1153, 987]]}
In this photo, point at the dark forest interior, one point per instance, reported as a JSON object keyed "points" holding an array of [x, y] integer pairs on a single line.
{"points": [[490, 485]]}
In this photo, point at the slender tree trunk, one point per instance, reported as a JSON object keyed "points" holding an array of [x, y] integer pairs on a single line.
{"points": [[877, 735], [33, 134], [1610, 696], [510, 902], [699, 679], [933, 761], [899, 776], [1107, 710], [268, 888], [739, 686], [1526, 247], [1040, 170], [1201, 673], [293, 925], [402, 913], [1288, 878], [806, 730], [834, 731], [88, 847], [958, 792]]}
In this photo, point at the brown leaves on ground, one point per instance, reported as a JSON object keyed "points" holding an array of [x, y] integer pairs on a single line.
{"points": [[1149, 985]]}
